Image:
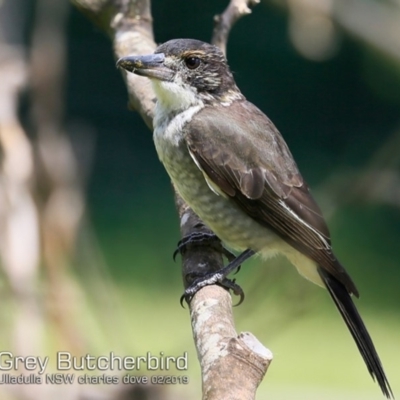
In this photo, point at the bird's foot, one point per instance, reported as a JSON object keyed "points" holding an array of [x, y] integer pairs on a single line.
{"points": [[202, 239], [198, 238], [220, 278], [211, 279]]}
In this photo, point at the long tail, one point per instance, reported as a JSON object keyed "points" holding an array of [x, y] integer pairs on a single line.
{"points": [[348, 310]]}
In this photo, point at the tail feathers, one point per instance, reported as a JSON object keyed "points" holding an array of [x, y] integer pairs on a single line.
{"points": [[348, 310]]}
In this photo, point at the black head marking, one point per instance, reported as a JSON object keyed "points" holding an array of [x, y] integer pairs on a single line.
{"points": [[199, 64]]}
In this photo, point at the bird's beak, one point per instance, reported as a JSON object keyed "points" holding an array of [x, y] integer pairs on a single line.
{"points": [[152, 66]]}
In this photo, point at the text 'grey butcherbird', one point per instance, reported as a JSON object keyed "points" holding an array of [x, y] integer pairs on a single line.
{"points": [[233, 168]]}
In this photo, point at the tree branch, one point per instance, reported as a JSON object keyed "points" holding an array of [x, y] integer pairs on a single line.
{"points": [[224, 22], [232, 365], [129, 24]]}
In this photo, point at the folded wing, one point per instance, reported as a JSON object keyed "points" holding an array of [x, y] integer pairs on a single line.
{"points": [[258, 173]]}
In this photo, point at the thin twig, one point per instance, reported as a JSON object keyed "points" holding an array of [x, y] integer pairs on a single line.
{"points": [[224, 22]]}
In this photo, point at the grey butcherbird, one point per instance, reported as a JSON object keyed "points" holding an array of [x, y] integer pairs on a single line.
{"points": [[231, 165]]}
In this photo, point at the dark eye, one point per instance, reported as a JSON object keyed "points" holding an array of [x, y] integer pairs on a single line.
{"points": [[192, 62]]}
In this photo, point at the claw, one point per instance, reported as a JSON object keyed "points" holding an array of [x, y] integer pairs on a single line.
{"points": [[200, 283], [177, 250], [219, 278], [229, 255], [183, 297], [236, 289]]}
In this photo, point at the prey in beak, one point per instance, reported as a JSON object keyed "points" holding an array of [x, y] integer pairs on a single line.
{"points": [[151, 66]]}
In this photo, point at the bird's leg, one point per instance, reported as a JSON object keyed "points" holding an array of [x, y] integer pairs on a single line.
{"points": [[230, 257], [219, 277], [206, 239]]}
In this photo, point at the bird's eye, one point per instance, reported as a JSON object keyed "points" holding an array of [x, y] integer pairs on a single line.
{"points": [[192, 62]]}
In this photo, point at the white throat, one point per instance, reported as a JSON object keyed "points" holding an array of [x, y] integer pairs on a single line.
{"points": [[176, 106], [175, 96], [177, 103]]}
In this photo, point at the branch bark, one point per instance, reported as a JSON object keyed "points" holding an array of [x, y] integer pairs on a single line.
{"points": [[129, 25], [224, 22], [232, 365]]}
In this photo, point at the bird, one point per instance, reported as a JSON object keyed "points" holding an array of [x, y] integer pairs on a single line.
{"points": [[231, 165]]}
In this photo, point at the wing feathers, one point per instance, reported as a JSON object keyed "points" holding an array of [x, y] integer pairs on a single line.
{"points": [[251, 183], [257, 172]]}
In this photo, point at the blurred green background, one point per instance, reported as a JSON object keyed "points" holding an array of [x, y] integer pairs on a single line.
{"points": [[104, 279]]}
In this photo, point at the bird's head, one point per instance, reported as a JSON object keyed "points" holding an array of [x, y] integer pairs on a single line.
{"points": [[186, 72]]}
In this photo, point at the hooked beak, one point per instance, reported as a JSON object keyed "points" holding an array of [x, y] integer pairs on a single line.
{"points": [[152, 66]]}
